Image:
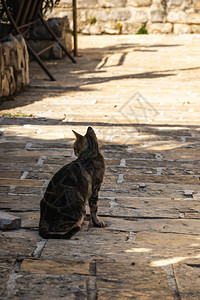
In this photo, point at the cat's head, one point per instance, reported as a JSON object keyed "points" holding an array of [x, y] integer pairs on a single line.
{"points": [[85, 142]]}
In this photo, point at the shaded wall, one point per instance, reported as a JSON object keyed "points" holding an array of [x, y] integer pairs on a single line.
{"points": [[14, 66]]}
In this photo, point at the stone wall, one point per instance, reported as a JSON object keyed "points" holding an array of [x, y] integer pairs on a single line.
{"points": [[40, 38], [128, 16], [14, 68]]}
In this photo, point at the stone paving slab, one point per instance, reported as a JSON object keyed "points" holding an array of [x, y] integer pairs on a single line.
{"points": [[150, 197]]}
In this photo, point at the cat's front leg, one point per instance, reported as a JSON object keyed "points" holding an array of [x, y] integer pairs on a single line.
{"points": [[93, 204]]}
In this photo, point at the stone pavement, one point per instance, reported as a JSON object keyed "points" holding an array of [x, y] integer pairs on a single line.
{"points": [[141, 95]]}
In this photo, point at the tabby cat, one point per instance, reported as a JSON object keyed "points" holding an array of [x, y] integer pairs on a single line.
{"points": [[62, 209]]}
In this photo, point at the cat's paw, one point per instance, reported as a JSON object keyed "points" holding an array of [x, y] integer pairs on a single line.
{"points": [[100, 224]]}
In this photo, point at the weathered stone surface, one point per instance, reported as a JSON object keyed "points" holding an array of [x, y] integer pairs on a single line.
{"points": [[16, 245], [184, 226], [6, 266], [139, 3], [156, 11], [9, 222], [177, 16], [54, 267], [115, 3], [119, 278], [183, 248], [139, 15], [188, 281], [195, 28], [51, 287], [152, 227], [15, 70], [182, 29], [102, 241], [20, 202], [193, 18], [159, 28]]}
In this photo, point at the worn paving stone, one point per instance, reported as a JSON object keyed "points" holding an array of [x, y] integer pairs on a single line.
{"points": [[188, 281], [18, 159], [184, 226], [34, 286], [54, 267], [163, 179], [163, 249], [129, 282], [152, 236], [16, 245], [20, 202], [22, 182], [8, 221], [29, 219], [6, 267], [145, 207]]}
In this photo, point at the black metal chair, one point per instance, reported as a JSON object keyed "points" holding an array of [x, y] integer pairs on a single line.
{"points": [[27, 14]]}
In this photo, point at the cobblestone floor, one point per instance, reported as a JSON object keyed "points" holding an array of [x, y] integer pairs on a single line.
{"points": [[141, 95]]}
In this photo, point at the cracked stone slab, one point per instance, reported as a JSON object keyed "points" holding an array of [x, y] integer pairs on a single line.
{"points": [[184, 226], [55, 267], [188, 281], [163, 249], [6, 266], [149, 207], [93, 245], [20, 202], [17, 243], [46, 286], [9, 222], [131, 281]]}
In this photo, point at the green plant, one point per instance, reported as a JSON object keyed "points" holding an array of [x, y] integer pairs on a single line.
{"points": [[142, 30], [92, 20], [17, 114], [72, 32], [119, 26]]}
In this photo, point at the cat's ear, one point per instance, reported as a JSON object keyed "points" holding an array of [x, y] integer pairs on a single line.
{"points": [[78, 136], [90, 131]]}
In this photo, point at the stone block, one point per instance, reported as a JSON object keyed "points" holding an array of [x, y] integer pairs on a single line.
{"points": [[157, 15], [139, 3], [182, 29], [102, 15], [188, 279], [6, 267], [197, 6], [110, 3], [159, 28], [174, 3], [115, 281], [193, 18], [9, 222], [5, 86], [58, 25], [195, 28], [12, 82], [52, 287], [66, 3], [177, 16], [139, 15], [120, 14], [87, 4], [55, 267]]}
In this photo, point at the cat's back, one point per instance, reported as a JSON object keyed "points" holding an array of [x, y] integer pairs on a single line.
{"points": [[68, 179]]}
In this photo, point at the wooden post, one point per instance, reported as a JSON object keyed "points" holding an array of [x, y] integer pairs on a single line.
{"points": [[75, 27]]}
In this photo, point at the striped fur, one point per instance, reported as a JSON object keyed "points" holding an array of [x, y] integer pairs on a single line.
{"points": [[62, 209]]}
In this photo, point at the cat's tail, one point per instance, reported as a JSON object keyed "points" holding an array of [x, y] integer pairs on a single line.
{"points": [[58, 235]]}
